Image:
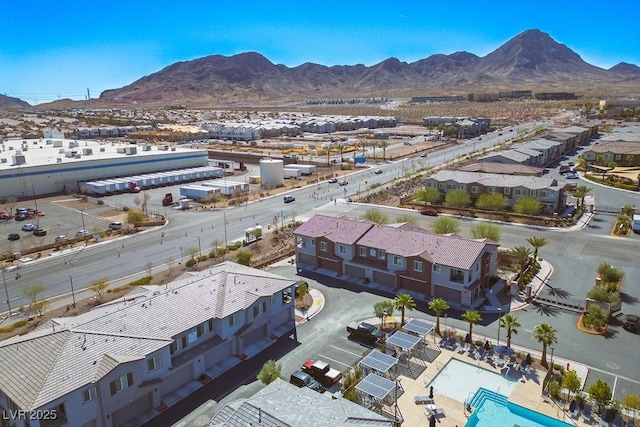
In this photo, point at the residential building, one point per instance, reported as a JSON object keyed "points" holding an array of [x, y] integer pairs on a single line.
{"points": [[550, 150], [283, 404], [400, 256], [522, 156], [547, 190], [623, 153], [502, 168], [121, 363]]}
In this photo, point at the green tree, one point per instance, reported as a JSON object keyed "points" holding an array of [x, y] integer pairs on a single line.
{"points": [[523, 254], [537, 243], [428, 195], [485, 230], [406, 218], [375, 215], [350, 381], [445, 225], [33, 293], [571, 381], [457, 198], [472, 317], [216, 246], [547, 335], [244, 257], [596, 317], [439, 306], [580, 193], [492, 202], [631, 401], [511, 324], [384, 309], [628, 210], [191, 252], [612, 165], [404, 302], [609, 274], [603, 294], [135, 216], [99, 287], [302, 290], [600, 392], [384, 145], [269, 372], [528, 206]]}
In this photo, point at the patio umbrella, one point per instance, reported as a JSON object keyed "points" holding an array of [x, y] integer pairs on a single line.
{"points": [[527, 360], [487, 347], [467, 338], [503, 350]]}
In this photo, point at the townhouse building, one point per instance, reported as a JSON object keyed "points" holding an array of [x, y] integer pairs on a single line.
{"points": [[123, 362], [623, 153], [400, 256], [549, 150], [547, 190]]}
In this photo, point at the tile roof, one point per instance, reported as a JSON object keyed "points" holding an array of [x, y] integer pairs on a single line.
{"points": [[72, 352], [496, 180], [502, 168], [283, 404], [340, 230]]}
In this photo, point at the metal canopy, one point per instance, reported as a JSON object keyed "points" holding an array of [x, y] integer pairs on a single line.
{"points": [[379, 361], [419, 327], [376, 386], [403, 340]]}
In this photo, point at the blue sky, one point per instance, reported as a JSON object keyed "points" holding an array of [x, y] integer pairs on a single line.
{"points": [[51, 49]]}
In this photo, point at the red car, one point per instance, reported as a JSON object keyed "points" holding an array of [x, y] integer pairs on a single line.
{"points": [[4, 215], [429, 212]]}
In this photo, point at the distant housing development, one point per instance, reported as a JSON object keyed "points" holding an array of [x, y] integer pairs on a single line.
{"points": [[401, 256], [122, 362]]}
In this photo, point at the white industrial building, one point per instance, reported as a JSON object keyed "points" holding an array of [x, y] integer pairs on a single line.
{"points": [[45, 166], [272, 172]]}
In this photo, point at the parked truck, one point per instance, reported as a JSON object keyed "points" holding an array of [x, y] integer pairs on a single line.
{"points": [[635, 225], [322, 372], [365, 331], [167, 200], [132, 187]]}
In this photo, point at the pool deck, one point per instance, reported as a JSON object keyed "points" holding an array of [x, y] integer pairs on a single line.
{"points": [[527, 393]]}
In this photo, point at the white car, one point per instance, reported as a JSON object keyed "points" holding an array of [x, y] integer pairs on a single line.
{"points": [[62, 238], [116, 225], [83, 232]]}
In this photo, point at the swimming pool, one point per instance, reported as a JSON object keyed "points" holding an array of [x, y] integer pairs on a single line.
{"points": [[459, 380], [492, 409]]}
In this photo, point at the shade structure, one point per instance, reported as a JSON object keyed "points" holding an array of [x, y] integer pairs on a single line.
{"points": [[376, 386], [403, 340], [379, 362], [418, 327]]}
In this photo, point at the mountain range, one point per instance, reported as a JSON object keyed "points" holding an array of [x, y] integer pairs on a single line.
{"points": [[531, 60]]}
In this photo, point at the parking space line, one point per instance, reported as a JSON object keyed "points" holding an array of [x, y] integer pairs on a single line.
{"points": [[347, 351], [333, 360]]}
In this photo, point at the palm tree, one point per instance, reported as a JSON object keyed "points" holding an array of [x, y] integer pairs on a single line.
{"points": [[522, 253], [580, 193], [472, 317], [547, 335], [384, 145], [537, 243], [438, 305], [511, 324], [404, 301]]}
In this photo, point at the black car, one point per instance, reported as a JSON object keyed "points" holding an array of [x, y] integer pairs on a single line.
{"points": [[21, 217], [302, 379], [289, 199], [631, 323], [14, 236]]}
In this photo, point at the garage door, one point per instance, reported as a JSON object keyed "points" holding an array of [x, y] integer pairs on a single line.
{"points": [[218, 354], [254, 336], [414, 285], [384, 278], [307, 259], [448, 294], [329, 264], [355, 271], [132, 410]]}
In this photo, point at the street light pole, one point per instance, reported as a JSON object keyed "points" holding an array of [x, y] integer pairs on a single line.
{"points": [[73, 294], [552, 348], [6, 291], [33, 191], [199, 247], [86, 242]]}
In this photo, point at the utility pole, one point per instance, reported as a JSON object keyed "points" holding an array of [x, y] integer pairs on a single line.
{"points": [[73, 294], [6, 291]]}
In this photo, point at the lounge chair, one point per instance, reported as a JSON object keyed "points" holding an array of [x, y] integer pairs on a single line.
{"points": [[460, 348], [574, 409], [603, 421], [479, 355], [617, 421], [443, 342], [500, 362], [433, 410], [423, 399], [586, 413], [452, 344]]}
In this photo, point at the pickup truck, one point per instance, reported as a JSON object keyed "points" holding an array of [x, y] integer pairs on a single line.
{"points": [[365, 332], [322, 372]]}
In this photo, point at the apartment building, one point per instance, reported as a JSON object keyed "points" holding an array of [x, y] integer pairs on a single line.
{"points": [[122, 363], [400, 256], [547, 190]]}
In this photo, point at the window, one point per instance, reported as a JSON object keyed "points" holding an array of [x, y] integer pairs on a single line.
{"points": [[154, 363], [441, 185], [382, 254], [342, 249], [397, 260], [205, 327], [451, 186], [492, 190], [463, 186], [89, 394], [474, 189], [233, 319], [477, 267], [313, 242], [532, 192], [507, 190], [436, 268], [456, 276], [121, 383], [178, 344], [259, 309], [363, 251], [417, 266], [323, 246]]}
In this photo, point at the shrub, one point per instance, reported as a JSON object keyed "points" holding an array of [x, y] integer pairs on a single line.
{"points": [[141, 281], [203, 258], [100, 202], [125, 208], [190, 262]]}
